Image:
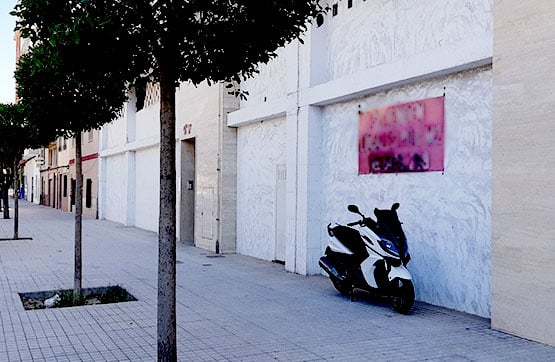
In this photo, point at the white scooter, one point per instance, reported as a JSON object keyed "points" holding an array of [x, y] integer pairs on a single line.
{"points": [[372, 256]]}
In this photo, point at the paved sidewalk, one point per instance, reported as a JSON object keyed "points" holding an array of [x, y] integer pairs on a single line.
{"points": [[231, 308]]}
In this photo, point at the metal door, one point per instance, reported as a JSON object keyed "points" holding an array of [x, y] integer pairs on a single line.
{"points": [[281, 192]]}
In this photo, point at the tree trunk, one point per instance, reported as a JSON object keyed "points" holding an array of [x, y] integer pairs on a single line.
{"points": [[77, 279], [167, 347], [1, 189], [5, 186], [16, 202]]}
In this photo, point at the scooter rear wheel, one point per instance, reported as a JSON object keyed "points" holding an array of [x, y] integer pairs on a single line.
{"points": [[403, 301]]}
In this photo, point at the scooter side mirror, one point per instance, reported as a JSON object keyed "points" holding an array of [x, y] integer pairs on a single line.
{"points": [[395, 206], [354, 209]]}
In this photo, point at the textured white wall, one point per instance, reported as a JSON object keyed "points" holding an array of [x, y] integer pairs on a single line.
{"points": [[447, 216], [373, 33], [373, 47], [263, 87], [261, 146], [377, 32], [387, 52]]}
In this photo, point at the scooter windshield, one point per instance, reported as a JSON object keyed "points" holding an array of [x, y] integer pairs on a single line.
{"points": [[389, 227]]}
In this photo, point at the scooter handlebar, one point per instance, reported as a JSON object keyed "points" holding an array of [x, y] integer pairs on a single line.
{"points": [[364, 222]]}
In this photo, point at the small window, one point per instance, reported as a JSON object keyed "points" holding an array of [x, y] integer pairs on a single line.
{"points": [[88, 194], [334, 9], [349, 3]]}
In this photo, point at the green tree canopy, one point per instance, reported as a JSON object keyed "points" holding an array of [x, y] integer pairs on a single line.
{"points": [[16, 134], [206, 40], [60, 102]]}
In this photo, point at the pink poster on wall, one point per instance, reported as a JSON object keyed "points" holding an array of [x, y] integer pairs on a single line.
{"points": [[406, 137]]}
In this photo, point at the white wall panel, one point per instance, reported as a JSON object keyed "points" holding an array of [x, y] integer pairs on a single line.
{"points": [[269, 84], [113, 134], [116, 190], [148, 123], [262, 146], [147, 181]]}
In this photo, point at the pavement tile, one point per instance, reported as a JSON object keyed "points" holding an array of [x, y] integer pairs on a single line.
{"points": [[233, 308]]}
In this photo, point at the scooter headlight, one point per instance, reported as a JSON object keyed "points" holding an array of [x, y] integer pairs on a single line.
{"points": [[390, 247]]}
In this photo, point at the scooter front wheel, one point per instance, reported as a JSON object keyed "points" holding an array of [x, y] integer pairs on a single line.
{"points": [[342, 286], [403, 300]]}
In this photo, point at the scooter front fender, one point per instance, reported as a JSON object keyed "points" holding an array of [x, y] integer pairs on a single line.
{"points": [[338, 247], [399, 272]]}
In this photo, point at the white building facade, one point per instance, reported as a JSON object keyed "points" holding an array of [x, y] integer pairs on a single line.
{"points": [[129, 177], [297, 141]]}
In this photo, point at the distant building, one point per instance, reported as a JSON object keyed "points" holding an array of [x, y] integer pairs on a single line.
{"points": [[49, 174], [53, 172], [32, 161]]}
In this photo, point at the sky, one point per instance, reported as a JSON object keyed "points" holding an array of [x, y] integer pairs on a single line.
{"points": [[7, 52]]}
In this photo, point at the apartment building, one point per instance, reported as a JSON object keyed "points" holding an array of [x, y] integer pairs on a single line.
{"points": [[49, 174]]}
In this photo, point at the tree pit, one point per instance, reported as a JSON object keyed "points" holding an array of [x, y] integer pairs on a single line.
{"points": [[65, 298]]}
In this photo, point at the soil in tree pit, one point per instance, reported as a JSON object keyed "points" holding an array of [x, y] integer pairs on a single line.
{"points": [[64, 298]]}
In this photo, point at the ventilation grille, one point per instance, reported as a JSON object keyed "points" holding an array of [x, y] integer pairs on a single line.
{"points": [[152, 96]]}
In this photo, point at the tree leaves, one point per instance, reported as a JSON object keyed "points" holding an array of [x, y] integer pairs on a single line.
{"points": [[72, 79], [212, 40], [16, 133]]}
